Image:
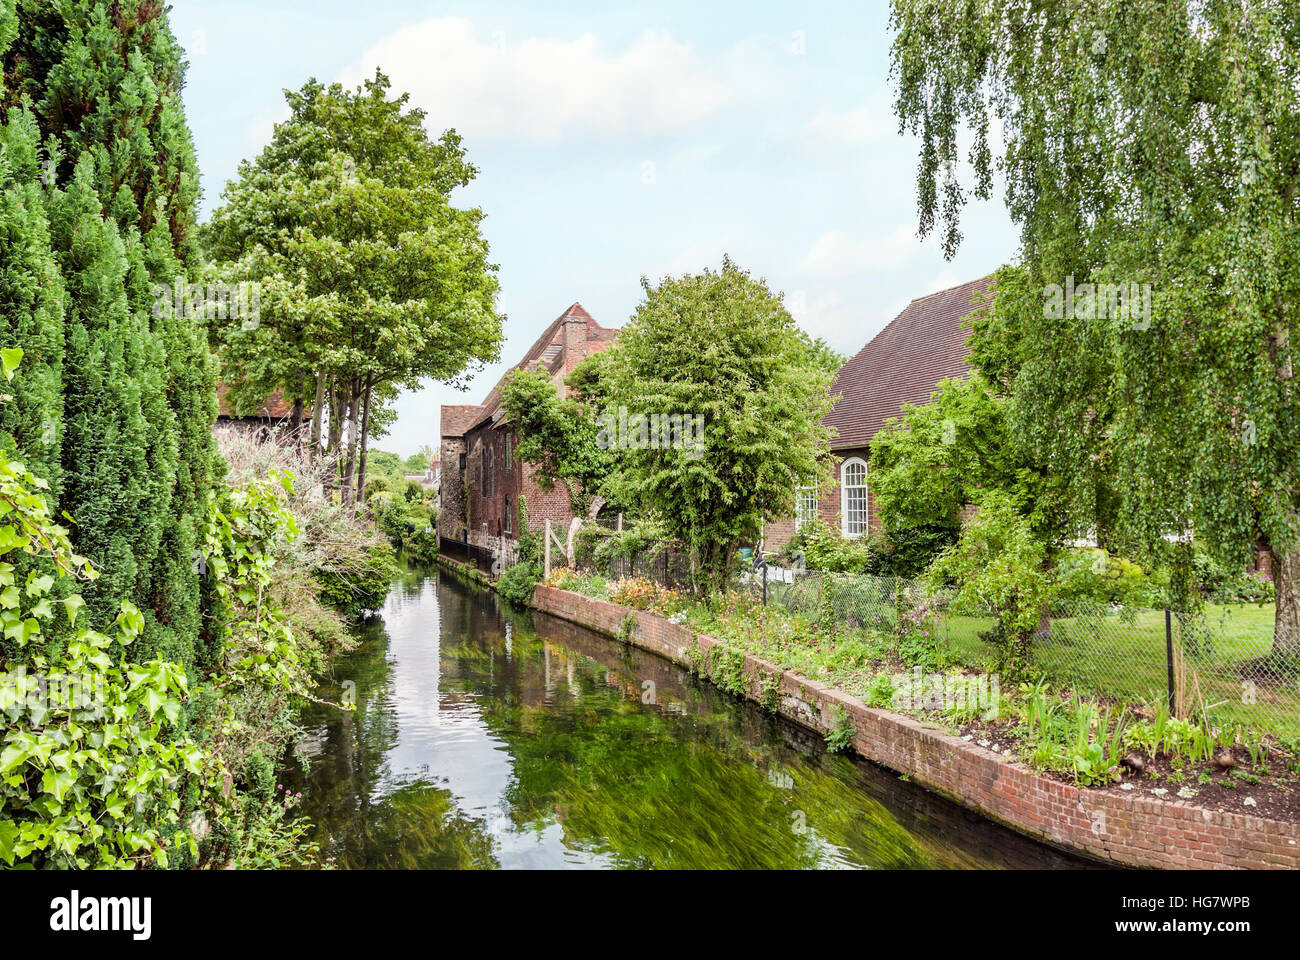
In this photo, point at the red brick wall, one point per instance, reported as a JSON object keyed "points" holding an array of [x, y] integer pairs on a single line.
{"points": [[1135, 831], [778, 532], [490, 508]]}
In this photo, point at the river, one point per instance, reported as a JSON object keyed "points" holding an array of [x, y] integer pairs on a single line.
{"points": [[484, 737]]}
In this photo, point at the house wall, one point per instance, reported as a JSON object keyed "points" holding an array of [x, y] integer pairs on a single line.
{"points": [[451, 493], [777, 533], [487, 510]]}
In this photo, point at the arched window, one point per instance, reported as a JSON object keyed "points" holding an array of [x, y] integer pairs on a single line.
{"points": [[853, 497], [805, 505]]}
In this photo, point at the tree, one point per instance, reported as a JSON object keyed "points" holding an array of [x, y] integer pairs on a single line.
{"points": [[419, 461], [998, 566], [370, 279], [1151, 146], [557, 437], [718, 351], [98, 84], [934, 460], [31, 303]]}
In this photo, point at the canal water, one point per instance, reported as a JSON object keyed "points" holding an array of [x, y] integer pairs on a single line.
{"points": [[484, 737]]}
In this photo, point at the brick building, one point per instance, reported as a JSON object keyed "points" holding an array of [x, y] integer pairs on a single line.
{"points": [[272, 415], [902, 364], [481, 479]]}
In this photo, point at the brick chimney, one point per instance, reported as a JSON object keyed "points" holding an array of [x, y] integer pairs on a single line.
{"points": [[574, 338]]}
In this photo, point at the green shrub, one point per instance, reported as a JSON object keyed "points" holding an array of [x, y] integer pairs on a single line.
{"points": [[998, 567], [359, 587], [393, 519], [1094, 575], [517, 583], [422, 546]]}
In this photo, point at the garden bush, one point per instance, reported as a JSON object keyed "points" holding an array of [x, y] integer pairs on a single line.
{"points": [[518, 582]]}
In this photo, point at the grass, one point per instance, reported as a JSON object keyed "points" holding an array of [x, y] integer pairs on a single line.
{"points": [[1125, 658]]}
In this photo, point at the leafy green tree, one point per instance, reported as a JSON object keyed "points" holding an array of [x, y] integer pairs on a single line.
{"points": [[1155, 143], [93, 751], [31, 303], [998, 566], [557, 437], [371, 279], [100, 84], [934, 460], [719, 346]]}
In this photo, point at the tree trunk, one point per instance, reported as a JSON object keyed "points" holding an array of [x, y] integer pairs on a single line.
{"points": [[349, 459], [317, 407], [1286, 623], [365, 440], [335, 435], [295, 420]]}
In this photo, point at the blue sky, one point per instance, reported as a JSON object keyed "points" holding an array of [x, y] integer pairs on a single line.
{"points": [[616, 143]]}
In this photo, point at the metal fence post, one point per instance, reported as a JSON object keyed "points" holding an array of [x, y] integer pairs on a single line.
{"points": [[1169, 658], [765, 583]]}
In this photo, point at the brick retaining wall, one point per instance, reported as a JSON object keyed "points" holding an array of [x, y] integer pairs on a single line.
{"points": [[1131, 830]]}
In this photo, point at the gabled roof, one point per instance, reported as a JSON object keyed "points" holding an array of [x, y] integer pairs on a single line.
{"points": [[457, 417], [546, 351], [903, 363]]}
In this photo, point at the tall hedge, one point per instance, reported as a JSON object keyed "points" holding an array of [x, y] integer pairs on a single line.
{"points": [[96, 86]]}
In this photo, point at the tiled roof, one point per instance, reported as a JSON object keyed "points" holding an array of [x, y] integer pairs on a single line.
{"points": [[274, 407], [457, 417], [546, 351], [903, 363]]}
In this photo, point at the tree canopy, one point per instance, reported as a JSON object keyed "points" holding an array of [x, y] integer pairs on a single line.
{"points": [[719, 345], [1151, 145], [99, 191], [370, 278]]}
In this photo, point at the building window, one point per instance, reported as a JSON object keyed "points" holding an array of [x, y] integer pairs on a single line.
{"points": [[507, 503], [462, 463], [805, 505], [853, 497], [487, 471], [508, 455]]}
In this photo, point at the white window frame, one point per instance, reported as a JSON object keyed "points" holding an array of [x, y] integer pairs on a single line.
{"points": [[844, 498], [809, 512]]}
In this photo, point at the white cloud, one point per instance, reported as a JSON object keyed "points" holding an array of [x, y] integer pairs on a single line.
{"points": [[259, 131], [838, 250], [542, 88], [864, 125]]}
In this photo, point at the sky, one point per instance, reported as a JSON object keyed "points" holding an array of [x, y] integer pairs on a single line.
{"points": [[616, 144]]}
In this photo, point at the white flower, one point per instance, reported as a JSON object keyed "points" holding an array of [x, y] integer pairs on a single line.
{"points": [[1126, 786], [968, 738], [984, 743], [1159, 791], [1187, 793], [1250, 802]]}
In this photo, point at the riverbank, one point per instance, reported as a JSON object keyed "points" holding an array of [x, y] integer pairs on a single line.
{"points": [[1132, 831]]}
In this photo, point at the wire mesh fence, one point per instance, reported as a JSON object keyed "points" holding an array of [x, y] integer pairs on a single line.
{"points": [[1224, 662]]}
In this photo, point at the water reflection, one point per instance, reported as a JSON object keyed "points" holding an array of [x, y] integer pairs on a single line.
{"points": [[484, 737]]}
